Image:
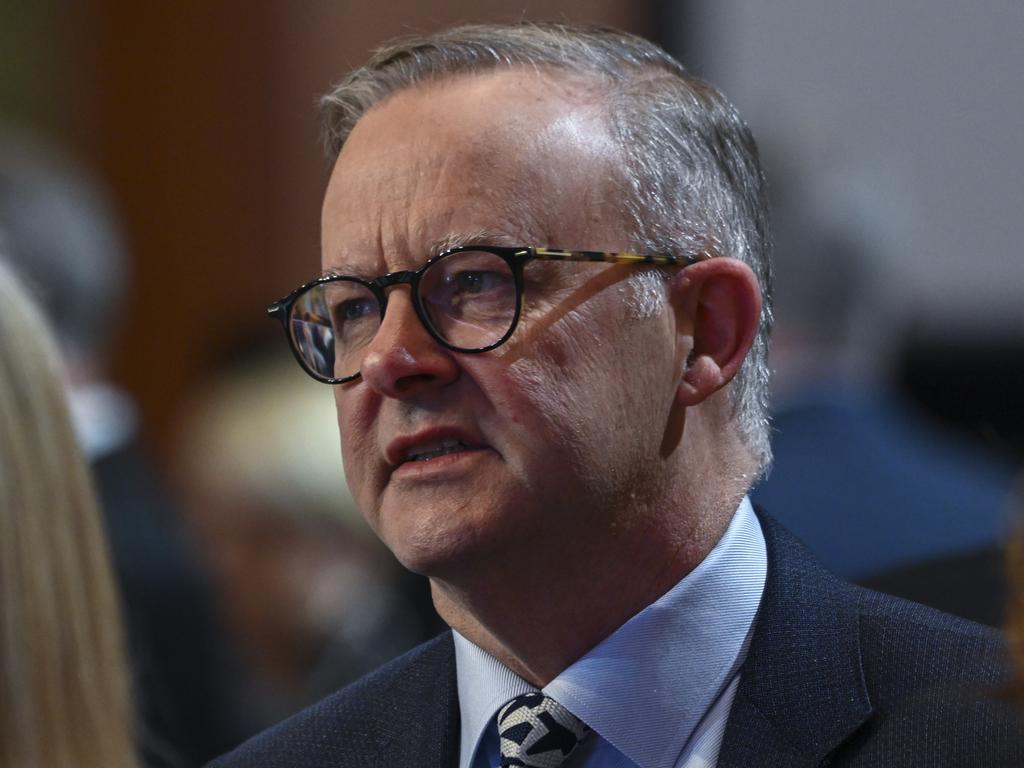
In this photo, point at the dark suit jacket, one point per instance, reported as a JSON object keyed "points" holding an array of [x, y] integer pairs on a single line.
{"points": [[836, 675]]}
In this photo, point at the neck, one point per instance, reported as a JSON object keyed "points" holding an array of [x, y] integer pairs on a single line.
{"points": [[552, 616], [540, 620]]}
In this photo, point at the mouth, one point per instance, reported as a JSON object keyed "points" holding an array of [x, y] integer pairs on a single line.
{"points": [[434, 450], [431, 446]]}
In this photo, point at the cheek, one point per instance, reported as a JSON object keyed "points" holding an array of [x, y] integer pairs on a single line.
{"points": [[595, 391], [358, 446], [556, 395]]}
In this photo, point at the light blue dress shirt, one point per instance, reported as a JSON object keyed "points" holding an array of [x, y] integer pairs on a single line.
{"points": [[657, 692]]}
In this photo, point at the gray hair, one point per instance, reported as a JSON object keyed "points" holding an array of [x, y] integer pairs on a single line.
{"points": [[693, 177]]}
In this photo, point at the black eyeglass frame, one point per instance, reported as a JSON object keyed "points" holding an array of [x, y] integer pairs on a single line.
{"points": [[516, 257]]}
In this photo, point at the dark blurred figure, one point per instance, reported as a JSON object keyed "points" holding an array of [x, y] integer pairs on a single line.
{"points": [[313, 600], [975, 583], [867, 481], [971, 583], [58, 231]]}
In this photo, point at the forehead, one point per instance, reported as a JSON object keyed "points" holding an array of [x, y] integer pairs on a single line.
{"points": [[524, 155]]}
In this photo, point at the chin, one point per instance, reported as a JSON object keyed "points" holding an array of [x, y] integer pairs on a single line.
{"points": [[442, 550], [432, 532], [432, 562]]}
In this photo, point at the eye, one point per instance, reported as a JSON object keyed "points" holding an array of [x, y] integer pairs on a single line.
{"points": [[354, 309], [476, 281], [468, 285]]}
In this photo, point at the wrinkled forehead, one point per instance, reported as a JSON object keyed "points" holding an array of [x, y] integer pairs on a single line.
{"points": [[507, 149], [531, 106]]}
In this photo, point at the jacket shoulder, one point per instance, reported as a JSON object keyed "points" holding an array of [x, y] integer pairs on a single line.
{"points": [[938, 685], [908, 647], [842, 675], [348, 727]]}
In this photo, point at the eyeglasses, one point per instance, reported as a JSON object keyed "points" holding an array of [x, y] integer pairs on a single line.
{"points": [[469, 300]]}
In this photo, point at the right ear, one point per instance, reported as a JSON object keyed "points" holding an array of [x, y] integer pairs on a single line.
{"points": [[718, 309]]}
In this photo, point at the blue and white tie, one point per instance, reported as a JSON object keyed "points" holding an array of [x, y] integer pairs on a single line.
{"points": [[536, 731]]}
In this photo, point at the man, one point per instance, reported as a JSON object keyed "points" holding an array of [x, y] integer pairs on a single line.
{"points": [[565, 447]]}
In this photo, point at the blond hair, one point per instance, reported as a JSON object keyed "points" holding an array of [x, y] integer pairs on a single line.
{"points": [[64, 686]]}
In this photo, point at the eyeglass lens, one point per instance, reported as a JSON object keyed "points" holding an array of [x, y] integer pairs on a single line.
{"points": [[468, 300]]}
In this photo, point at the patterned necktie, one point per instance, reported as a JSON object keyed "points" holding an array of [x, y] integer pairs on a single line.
{"points": [[537, 732]]}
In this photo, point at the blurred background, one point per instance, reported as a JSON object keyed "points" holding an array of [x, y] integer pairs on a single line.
{"points": [[181, 141]]}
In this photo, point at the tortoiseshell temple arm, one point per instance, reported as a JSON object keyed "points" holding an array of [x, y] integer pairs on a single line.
{"points": [[663, 259]]}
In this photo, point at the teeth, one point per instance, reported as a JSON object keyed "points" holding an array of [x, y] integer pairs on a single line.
{"points": [[433, 450]]}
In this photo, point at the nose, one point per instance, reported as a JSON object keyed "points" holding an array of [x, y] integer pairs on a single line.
{"points": [[403, 358]]}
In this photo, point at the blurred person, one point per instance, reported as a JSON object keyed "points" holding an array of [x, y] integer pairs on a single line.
{"points": [[872, 485], [311, 597], [563, 440], [59, 231], [64, 682]]}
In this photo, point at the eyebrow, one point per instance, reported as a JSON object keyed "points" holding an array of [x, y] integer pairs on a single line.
{"points": [[435, 248], [344, 272], [460, 239]]}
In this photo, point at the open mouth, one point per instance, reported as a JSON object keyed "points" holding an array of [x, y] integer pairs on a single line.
{"points": [[433, 450]]}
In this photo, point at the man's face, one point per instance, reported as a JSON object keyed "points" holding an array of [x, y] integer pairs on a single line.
{"points": [[458, 459]]}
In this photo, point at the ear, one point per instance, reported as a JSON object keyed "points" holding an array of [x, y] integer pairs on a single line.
{"points": [[718, 308]]}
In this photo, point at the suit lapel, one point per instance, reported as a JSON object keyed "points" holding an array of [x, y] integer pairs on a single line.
{"points": [[419, 722], [802, 690]]}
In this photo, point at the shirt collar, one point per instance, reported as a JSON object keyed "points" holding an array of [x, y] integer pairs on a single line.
{"points": [[645, 688]]}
